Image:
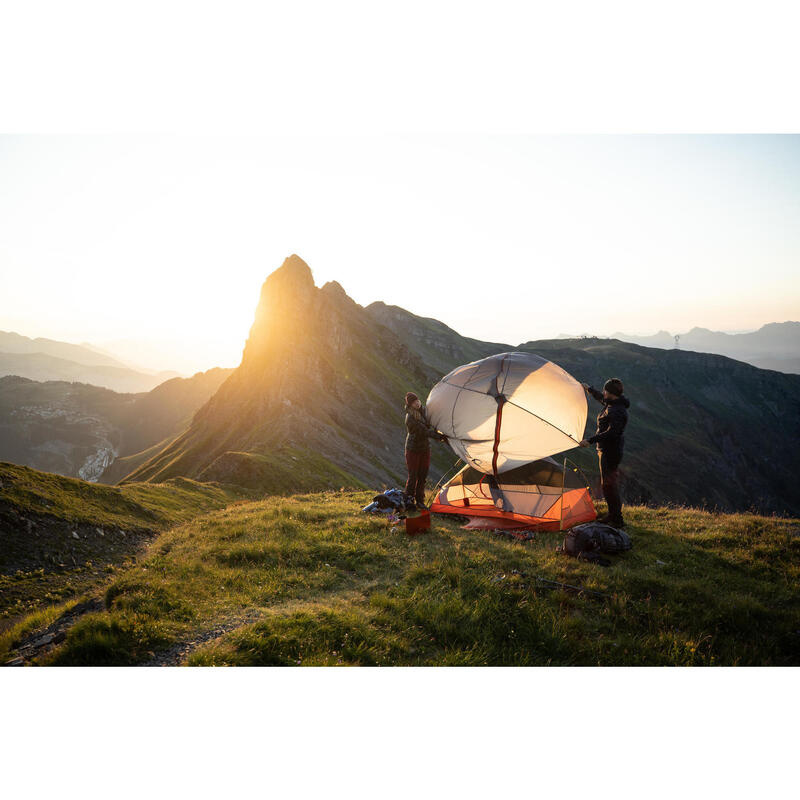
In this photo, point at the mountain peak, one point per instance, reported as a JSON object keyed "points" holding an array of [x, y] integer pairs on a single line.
{"points": [[335, 293], [697, 330], [334, 288], [287, 297], [294, 275], [291, 281], [774, 326], [295, 264]]}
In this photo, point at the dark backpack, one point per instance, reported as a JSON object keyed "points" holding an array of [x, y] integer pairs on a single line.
{"points": [[589, 540]]}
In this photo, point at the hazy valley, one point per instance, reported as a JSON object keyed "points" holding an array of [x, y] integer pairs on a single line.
{"points": [[93, 433]]}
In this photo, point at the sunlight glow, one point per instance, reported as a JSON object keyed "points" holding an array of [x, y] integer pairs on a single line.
{"points": [[158, 246]]}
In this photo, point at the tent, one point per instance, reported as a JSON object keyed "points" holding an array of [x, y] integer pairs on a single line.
{"points": [[541, 495], [505, 415]]}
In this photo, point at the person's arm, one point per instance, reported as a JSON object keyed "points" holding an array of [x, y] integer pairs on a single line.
{"points": [[593, 392], [616, 424], [419, 427], [432, 432]]}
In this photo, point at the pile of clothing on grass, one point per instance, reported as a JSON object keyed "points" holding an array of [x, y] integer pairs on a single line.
{"points": [[392, 502], [397, 505]]}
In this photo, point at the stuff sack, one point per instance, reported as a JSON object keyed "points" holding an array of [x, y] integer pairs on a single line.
{"points": [[418, 523], [589, 540]]}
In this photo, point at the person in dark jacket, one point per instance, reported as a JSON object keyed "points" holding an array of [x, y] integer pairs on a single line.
{"points": [[610, 441], [418, 447]]}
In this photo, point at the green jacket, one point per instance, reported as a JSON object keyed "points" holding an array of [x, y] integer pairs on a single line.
{"points": [[419, 431]]}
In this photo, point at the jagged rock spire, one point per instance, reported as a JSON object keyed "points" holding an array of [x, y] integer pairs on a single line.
{"points": [[284, 310]]}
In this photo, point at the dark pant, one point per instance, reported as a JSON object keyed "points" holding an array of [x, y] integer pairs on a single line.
{"points": [[418, 464], [609, 477]]}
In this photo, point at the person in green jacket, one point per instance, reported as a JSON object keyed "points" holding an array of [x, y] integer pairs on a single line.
{"points": [[418, 447]]}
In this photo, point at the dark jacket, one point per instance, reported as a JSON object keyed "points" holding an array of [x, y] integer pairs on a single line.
{"points": [[611, 422], [419, 431]]}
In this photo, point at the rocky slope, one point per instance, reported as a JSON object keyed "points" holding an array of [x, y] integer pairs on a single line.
{"points": [[60, 536], [434, 342]]}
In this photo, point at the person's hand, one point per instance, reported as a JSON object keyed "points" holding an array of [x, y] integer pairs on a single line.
{"points": [[583, 443]]}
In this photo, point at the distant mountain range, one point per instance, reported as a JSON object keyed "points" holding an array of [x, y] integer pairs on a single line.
{"points": [[89, 432], [773, 346], [51, 360], [317, 401]]}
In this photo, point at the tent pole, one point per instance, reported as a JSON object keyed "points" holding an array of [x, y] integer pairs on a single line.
{"points": [[561, 511], [442, 481]]}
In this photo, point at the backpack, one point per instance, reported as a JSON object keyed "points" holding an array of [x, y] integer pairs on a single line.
{"points": [[587, 541]]}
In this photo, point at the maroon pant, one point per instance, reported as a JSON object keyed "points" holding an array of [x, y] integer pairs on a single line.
{"points": [[418, 464]]}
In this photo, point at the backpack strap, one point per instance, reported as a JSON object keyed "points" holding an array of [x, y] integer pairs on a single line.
{"points": [[594, 558]]}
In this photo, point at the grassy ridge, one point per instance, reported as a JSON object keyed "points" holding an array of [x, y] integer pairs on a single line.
{"points": [[61, 536], [285, 470], [28, 491], [309, 580]]}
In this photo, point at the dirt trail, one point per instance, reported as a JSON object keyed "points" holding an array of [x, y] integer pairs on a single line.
{"points": [[42, 642], [178, 653]]}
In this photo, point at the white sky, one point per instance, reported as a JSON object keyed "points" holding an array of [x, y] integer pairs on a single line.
{"points": [[156, 247]]}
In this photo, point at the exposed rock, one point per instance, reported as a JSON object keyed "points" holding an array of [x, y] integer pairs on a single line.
{"points": [[58, 542]]}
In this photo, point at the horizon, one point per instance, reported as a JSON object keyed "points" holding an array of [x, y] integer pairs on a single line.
{"points": [[154, 247], [133, 364]]}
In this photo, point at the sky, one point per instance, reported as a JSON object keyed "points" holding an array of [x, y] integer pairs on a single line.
{"points": [[155, 247]]}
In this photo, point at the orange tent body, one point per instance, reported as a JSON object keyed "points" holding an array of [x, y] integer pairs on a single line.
{"points": [[541, 495]]}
